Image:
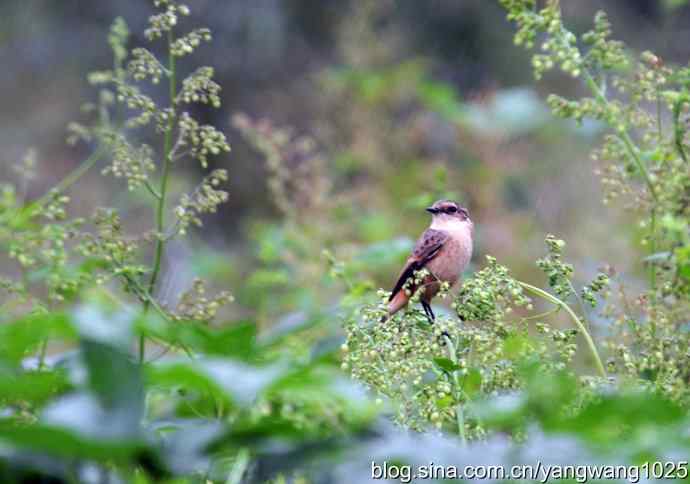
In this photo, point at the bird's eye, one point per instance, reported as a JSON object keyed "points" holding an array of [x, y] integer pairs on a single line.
{"points": [[451, 210]]}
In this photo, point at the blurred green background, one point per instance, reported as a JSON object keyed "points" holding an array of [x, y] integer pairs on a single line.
{"points": [[404, 101]]}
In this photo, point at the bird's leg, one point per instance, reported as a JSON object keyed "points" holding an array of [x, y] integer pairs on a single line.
{"points": [[433, 316], [429, 313]]}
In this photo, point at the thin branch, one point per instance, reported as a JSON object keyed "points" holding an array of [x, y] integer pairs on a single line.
{"points": [[459, 415], [553, 299], [622, 135], [167, 162], [152, 190]]}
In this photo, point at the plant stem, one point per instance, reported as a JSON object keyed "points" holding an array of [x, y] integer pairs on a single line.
{"points": [[459, 415], [239, 467], [652, 215], [652, 266], [70, 179], [553, 299], [678, 130], [149, 301], [42, 354], [622, 134], [162, 191], [581, 304], [74, 176]]}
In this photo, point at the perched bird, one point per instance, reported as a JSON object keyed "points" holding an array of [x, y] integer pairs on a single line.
{"points": [[444, 249]]}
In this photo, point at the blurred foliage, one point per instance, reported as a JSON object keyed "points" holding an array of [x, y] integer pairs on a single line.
{"points": [[122, 359]]}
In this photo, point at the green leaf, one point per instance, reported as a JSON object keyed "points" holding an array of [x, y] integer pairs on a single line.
{"points": [[236, 339], [64, 442], [114, 378], [21, 337], [36, 387], [442, 99], [472, 382], [446, 364], [238, 381]]}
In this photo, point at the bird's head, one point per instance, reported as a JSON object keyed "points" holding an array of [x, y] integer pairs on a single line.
{"points": [[448, 211]]}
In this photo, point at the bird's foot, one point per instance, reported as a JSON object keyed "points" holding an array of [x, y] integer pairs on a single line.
{"points": [[429, 312]]}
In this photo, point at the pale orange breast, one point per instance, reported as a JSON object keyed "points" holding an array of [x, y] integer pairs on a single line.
{"points": [[452, 259]]}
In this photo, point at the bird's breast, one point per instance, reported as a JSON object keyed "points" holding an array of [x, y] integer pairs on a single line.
{"points": [[453, 258]]}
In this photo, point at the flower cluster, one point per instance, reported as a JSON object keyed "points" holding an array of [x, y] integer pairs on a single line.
{"points": [[642, 162], [145, 65], [162, 23], [47, 249], [646, 347], [204, 199], [597, 286], [186, 44], [396, 359], [202, 141], [489, 294], [603, 50], [200, 87], [134, 164], [26, 168], [558, 272], [196, 305], [134, 99], [111, 248], [296, 168], [429, 372], [71, 254]]}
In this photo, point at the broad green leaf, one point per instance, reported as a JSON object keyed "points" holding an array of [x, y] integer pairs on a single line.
{"points": [[67, 443], [472, 382], [237, 339], [23, 336], [238, 381], [446, 364], [36, 387], [114, 378]]}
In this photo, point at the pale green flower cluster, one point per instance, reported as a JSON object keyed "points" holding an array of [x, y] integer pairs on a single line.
{"points": [[430, 373], [642, 162], [296, 168], [199, 141], [126, 111], [205, 199], [196, 305]]}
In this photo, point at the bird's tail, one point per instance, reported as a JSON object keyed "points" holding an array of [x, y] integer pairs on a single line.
{"points": [[397, 302]]}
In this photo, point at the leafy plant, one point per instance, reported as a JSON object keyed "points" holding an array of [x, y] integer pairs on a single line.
{"points": [[431, 374], [508, 372]]}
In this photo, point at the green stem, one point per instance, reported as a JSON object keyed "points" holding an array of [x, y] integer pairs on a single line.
{"points": [[541, 315], [149, 301], [622, 134], [74, 176], [239, 467], [459, 415], [678, 129], [553, 299], [163, 189], [581, 304], [652, 267], [64, 184], [652, 215], [42, 354]]}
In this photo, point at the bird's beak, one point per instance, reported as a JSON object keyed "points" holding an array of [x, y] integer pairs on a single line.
{"points": [[432, 210]]}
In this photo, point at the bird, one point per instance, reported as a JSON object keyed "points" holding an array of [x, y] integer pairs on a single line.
{"points": [[444, 250]]}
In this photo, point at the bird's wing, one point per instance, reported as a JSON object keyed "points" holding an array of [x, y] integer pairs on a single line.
{"points": [[426, 249]]}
